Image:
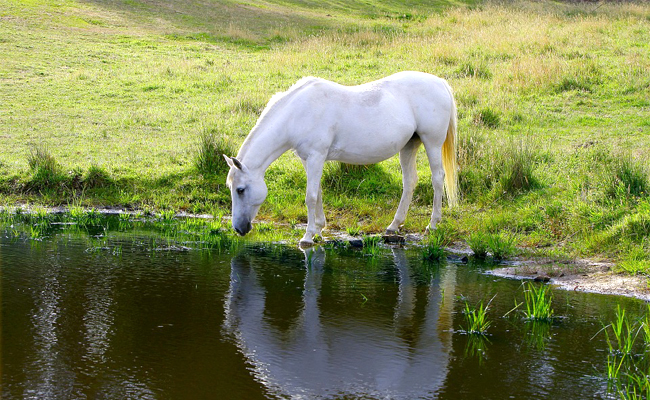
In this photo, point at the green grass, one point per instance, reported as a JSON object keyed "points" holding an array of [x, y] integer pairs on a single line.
{"points": [[477, 241], [129, 103]]}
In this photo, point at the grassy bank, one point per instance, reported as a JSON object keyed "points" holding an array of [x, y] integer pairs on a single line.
{"points": [[110, 103]]}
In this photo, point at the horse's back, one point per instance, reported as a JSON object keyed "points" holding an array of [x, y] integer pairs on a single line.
{"points": [[370, 122]]}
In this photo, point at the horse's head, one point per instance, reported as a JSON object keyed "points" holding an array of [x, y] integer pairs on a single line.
{"points": [[247, 191]]}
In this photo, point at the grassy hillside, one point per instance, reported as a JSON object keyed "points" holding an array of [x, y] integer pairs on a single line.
{"points": [[107, 102]]}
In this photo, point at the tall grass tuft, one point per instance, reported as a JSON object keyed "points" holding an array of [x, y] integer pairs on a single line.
{"points": [[478, 242], [612, 179], [627, 177], [501, 245], [96, 177], [497, 167], [517, 169], [487, 117], [209, 157], [368, 180], [40, 158], [47, 174], [472, 70]]}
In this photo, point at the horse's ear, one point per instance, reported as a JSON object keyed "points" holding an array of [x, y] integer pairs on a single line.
{"points": [[233, 162], [238, 164], [229, 161]]}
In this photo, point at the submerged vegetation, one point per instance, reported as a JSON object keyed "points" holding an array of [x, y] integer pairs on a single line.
{"points": [[140, 102]]}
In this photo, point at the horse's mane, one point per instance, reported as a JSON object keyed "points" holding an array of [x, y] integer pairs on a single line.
{"points": [[281, 97], [272, 106]]}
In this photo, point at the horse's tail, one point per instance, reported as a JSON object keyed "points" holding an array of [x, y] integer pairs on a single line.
{"points": [[449, 154]]}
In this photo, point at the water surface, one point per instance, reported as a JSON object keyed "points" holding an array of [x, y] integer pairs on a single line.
{"points": [[133, 320]]}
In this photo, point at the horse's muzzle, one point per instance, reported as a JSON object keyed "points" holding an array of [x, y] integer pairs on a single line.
{"points": [[242, 230]]}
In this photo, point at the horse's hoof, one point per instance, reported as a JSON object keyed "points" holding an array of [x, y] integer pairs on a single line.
{"points": [[394, 239], [303, 244], [390, 232]]}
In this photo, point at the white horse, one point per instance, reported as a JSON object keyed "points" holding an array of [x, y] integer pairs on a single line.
{"points": [[322, 120]]}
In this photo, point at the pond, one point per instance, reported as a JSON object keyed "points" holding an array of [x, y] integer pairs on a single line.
{"points": [[129, 318]]}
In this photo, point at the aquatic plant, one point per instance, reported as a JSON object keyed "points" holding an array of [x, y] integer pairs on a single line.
{"points": [[353, 230], [476, 346], [433, 247], [538, 301], [628, 361], [537, 333], [36, 232], [476, 318], [371, 246], [167, 215], [77, 214]]}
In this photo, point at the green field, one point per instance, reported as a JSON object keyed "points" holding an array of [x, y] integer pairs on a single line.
{"points": [[108, 103]]}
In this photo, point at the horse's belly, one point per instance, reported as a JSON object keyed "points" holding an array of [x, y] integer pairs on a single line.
{"points": [[367, 149]]}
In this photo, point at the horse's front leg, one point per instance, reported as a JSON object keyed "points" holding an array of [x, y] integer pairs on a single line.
{"points": [[314, 168], [320, 214]]}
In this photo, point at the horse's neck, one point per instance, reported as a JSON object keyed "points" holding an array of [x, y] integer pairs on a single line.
{"points": [[261, 148]]}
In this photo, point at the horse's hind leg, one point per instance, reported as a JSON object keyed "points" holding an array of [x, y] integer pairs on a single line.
{"points": [[407, 158], [434, 153]]}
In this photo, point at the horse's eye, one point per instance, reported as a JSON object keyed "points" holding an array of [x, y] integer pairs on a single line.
{"points": [[240, 190]]}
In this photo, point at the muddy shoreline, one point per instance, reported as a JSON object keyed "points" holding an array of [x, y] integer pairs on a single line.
{"points": [[580, 275]]}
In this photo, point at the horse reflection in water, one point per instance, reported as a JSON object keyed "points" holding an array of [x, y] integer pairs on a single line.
{"points": [[334, 356]]}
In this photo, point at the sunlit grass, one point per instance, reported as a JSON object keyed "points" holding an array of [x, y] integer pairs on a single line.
{"points": [[536, 85]]}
